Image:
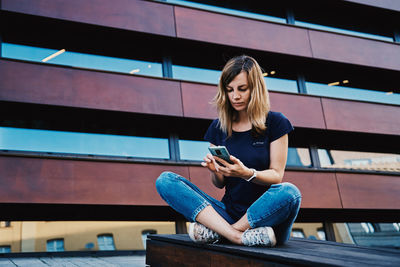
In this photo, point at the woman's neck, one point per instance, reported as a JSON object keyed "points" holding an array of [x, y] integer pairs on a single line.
{"points": [[242, 123]]}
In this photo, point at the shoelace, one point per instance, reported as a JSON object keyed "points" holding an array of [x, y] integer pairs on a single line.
{"points": [[255, 237], [206, 233]]}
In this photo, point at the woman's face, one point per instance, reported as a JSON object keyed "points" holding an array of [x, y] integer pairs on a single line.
{"points": [[239, 92]]}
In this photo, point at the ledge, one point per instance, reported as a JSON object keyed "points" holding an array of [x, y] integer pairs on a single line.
{"points": [[178, 250]]}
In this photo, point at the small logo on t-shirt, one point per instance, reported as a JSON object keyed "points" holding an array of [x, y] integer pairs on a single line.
{"points": [[258, 143]]}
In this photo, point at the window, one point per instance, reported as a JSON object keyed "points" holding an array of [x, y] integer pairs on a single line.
{"points": [[195, 74], [5, 249], [281, 85], [145, 233], [333, 89], [18, 139], [193, 150], [375, 234], [105, 242], [5, 224], [80, 60], [298, 157], [55, 245], [298, 233], [359, 160], [321, 234]]}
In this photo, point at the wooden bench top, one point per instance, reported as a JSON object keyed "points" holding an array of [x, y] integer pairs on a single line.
{"points": [[179, 250]]}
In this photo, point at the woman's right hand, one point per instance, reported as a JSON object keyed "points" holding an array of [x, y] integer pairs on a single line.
{"points": [[210, 163]]}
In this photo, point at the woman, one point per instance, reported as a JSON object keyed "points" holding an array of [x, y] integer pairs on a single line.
{"points": [[257, 209]]}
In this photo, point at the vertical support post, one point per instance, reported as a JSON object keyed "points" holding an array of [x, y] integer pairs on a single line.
{"points": [[173, 142], [396, 36], [301, 84], [167, 67], [316, 163], [329, 231], [290, 16], [180, 227]]}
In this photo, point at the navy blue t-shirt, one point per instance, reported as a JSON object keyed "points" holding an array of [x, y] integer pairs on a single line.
{"points": [[254, 153]]}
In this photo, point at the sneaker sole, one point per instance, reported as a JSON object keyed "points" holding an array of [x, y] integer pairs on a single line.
{"points": [[191, 231]]}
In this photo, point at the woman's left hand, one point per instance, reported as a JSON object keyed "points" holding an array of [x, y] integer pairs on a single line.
{"points": [[236, 169]]}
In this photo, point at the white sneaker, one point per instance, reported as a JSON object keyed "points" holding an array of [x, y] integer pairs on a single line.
{"points": [[201, 234], [261, 236]]}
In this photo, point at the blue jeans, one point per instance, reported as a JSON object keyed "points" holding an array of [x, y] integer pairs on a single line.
{"points": [[277, 207]]}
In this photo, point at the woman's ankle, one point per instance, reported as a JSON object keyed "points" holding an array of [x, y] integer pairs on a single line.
{"points": [[236, 237]]}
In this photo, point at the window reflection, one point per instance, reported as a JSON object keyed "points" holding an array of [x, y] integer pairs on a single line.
{"points": [[281, 85], [74, 59], [106, 242], [374, 234], [352, 93], [359, 160], [298, 157], [338, 30], [195, 74], [82, 143], [55, 245], [193, 150], [212, 76], [5, 249]]}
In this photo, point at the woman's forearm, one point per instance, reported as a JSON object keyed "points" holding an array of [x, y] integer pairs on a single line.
{"points": [[218, 180], [267, 177]]}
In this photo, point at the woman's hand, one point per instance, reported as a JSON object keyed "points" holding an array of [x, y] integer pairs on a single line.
{"points": [[236, 169], [210, 163]]}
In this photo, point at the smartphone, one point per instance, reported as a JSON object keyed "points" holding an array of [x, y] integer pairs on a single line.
{"points": [[221, 152]]}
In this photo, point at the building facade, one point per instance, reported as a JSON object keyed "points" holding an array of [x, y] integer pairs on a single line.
{"points": [[98, 97]]}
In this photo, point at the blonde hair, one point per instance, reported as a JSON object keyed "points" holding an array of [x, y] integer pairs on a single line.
{"points": [[258, 106]]}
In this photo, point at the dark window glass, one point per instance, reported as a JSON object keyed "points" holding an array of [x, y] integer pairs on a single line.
{"points": [[346, 18]]}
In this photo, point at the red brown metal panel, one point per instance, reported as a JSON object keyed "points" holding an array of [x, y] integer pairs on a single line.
{"points": [[196, 100], [201, 177], [387, 4], [123, 14], [361, 117], [241, 32], [302, 111], [38, 180], [354, 50], [318, 189], [367, 191], [43, 84]]}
